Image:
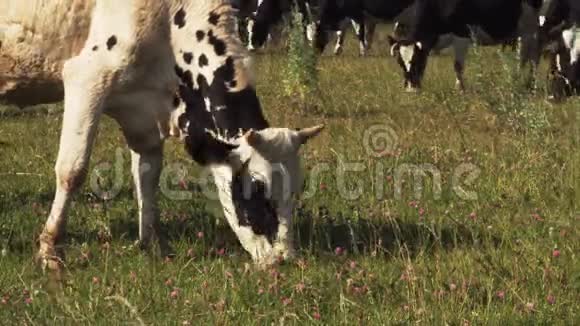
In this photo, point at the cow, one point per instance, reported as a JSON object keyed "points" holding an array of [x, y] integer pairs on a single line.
{"points": [[500, 20], [176, 68], [270, 15], [560, 30], [332, 13]]}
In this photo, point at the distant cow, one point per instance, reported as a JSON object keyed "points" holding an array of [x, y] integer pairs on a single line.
{"points": [[332, 13], [500, 20], [270, 15], [560, 29]]}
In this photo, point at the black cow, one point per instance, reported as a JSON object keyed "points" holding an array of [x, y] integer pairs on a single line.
{"points": [[270, 13], [560, 29], [499, 20], [332, 13]]}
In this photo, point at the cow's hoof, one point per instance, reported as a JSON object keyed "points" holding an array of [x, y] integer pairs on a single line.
{"points": [[411, 89], [49, 258]]}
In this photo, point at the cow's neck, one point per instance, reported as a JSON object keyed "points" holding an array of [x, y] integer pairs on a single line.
{"points": [[210, 63]]}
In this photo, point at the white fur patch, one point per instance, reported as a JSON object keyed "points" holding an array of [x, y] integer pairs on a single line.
{"points": [[542, 20], [407, 52]]}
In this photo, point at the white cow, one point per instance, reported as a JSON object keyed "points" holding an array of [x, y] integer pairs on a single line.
{"points": [[138, 55]]}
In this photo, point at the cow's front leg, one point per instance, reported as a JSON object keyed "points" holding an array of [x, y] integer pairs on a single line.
{"points": [[370, 34], [146, 169], [138, 120], [359, 27], [460, 49], [82, 110]]}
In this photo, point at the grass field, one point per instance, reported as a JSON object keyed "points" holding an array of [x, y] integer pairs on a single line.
{"points": [[491, 235]]}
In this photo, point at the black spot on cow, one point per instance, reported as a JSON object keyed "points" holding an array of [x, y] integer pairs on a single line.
{"points": [[203, 61], [179, 71], [176, 101], [188, 79], [253, 207], [213, 18], [188, 57], [95, 48], [111, 42], [179, 18], [200, 35], [219, 46]]}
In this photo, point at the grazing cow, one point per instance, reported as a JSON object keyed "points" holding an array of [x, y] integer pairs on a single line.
{"points": [[560, 29], [138, 55], [500, 20], [332, 14], [270, 14]]}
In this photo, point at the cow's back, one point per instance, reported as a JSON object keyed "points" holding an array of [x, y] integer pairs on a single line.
{"points": [[36, 37]]}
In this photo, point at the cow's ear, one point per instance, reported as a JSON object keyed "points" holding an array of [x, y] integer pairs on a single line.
{"points": [[308, 133]]}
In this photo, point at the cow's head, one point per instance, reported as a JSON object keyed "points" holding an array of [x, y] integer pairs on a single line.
{"points": [[412, 58], [258, 177]]}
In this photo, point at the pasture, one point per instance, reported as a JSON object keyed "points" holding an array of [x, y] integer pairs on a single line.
{"points": [[489, 235]]}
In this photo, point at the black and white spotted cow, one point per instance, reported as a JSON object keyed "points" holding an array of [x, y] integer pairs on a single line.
{"points": [[560, 29], [177, 67], [498, 20], [363, 13]]}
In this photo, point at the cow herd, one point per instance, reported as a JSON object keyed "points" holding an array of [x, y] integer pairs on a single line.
{"points": [[164, 68], [422, 26]]}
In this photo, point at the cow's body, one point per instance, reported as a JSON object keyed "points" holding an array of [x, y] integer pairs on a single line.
{"points": [[138, 55], [365, 13], [500, 20], [30, 63]]}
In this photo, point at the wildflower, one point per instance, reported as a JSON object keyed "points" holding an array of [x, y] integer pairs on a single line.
{"points": [[556, 253], [96, 280], [316, 315], [537, 217], [300, 287], [260, 291], [338, 251], [221, 252], [352, 264], [286, 301], [473, 216], [174, 294], [322, 186], [200, 235], [551, 299], [28, 300], [169, 282], [421, 211], [500, 295], [452, 287], [530, 306]]}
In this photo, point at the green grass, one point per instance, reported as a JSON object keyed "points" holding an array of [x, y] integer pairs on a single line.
{"points": [[434, 260]]}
